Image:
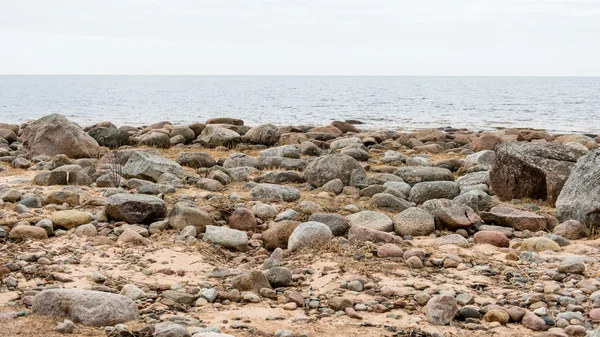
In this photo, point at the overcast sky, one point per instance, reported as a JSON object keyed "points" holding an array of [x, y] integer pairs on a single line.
{"points": [[306, 37]]}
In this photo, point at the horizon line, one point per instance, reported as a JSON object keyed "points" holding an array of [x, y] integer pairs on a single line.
{"points": [[314, 75]]}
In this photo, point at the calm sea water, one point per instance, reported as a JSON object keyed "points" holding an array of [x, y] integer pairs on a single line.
{"points": [[556, 104]]}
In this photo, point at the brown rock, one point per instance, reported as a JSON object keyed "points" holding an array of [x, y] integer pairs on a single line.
{"points": [[534, 322], [339, 303], [278, 234], [242, 219], [520, 220], [362, 234], [494, 238], [497, 315], [571, 229], [389, 250], [485, 142], [253, 281], [28, 232]]}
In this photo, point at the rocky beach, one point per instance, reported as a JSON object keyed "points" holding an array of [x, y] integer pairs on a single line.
{"points": [[223, 229]]}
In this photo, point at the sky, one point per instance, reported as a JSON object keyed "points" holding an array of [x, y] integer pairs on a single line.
{"points": [[301, 37]]}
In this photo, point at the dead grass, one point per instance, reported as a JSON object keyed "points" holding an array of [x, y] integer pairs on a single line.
{"points": [[11, 171], [173, 152], [521, 204]]}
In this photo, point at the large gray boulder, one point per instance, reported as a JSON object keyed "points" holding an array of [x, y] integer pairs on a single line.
{"points": [[275, 192], [371, 219], [417, 174], [185, 214], [580, 197], [531, 170], [110, 137], [226, 237], [147, 166], [451, 215], [414, 221], [309, 235], [335, 166], [135, 208], [428, 190], [265, 134], [195, 159], [55, 134], [91, 308], [214, 135]]}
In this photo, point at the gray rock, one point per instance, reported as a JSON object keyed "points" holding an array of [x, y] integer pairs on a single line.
{"points": [[474, 179], [213, 136], [156, 139], [184, 214], [226, 237], [147, 166], [167, 329], [195, 159], [88, 307], [371, 219], [532, 170], [483, 159], [264, 211], [280, 177], [338, 225], [451, 215], [54, 134], [240, 160], [579, 199], [414, 221], [441, 309], [309, 235], [135, 208], [334, 166], [335, 186], [275, 192], [285, 151], [278, 277], [417, 174], [390, 202], [477, 200], [424, 191], [264, 134], [452, 239], [402, 187]]}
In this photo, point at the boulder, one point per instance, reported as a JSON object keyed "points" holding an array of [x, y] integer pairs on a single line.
{"points": [[441, 309], [451, 215], [213, 136], [338, 225], [571, 229], [390, 202], [265, 134], [417, 174], [168, 329], [54, 134], [579, 199], [531, 170], [476, 199], [147, 166], [451, 239], [226, 237], [242, 219], [428, 190], [240, 160], [309, 235], [225, 120], [253, 281], [90, 308], [135, 208], [195, 159], [70, 218], [184, 214], [539, 244], [275, 192], [278, 234], [371, 219], [28, 232], [334, 166], [519, 220], [109, 137], [494, 238], [485, 141], [414, 221], [363, 234], [280, 177]]}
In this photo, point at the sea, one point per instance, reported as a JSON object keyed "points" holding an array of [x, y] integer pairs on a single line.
{"points": [[557, 104]]}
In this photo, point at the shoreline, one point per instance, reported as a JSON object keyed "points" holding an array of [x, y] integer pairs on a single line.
{"points": [[296, 231]]}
